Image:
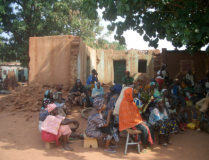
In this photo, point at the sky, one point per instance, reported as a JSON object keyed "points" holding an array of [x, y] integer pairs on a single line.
{"points": [[134, 40]]}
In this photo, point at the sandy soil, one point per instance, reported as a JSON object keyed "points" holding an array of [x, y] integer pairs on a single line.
{"points": [[21, 140]]}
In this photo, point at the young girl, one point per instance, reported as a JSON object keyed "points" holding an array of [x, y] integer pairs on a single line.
{"points": [[182, 119]]}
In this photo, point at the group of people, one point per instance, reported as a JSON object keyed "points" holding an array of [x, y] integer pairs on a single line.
{"points": [[146, 108]]}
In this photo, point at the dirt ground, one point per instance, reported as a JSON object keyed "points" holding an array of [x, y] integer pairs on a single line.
{"points": [[20, 139]]}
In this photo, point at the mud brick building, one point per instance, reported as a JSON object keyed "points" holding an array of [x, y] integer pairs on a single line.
{"points": [[63, 59]]}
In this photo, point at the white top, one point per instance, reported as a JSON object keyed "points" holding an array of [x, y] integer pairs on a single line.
{"points": [[163, 73], [190, 77], [207, 84]]}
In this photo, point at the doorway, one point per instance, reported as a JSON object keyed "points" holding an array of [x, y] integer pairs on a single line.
{"points": [[119, 71], [88, 72]]}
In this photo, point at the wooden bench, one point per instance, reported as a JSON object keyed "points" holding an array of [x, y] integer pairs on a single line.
{"points": [[130, 141], [90, 142]]}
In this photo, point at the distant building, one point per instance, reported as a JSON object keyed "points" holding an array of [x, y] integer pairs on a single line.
{"points": [[13, 66]]}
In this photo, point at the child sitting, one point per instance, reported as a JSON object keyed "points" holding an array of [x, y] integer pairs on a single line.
{"points": [[182, 119]]}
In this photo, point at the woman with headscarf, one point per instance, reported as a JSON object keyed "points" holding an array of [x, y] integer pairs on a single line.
{"points": [[97, 91], [48, 99], [161, 122], [78, 94], [129, 117], [98, 127], [112, 102], [55, 126]]}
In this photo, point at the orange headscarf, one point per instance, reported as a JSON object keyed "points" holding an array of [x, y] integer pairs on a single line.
{"points": [[129, 115]]}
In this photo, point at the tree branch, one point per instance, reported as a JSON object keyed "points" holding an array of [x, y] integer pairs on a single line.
{"points": [[18, 2], [173, 4]]}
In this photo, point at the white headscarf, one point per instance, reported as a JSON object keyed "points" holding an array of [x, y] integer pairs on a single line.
{"points": [[117, 105]]}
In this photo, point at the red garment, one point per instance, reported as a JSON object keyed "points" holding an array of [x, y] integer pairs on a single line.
{"points": [[49, 137], [183, 125], [160, 82]]}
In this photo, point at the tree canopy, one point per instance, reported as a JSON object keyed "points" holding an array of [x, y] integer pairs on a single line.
{"points": [[182, 22], [21, 19]]}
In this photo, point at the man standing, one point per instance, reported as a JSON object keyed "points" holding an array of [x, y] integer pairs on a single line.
{"points": [[161, 76], [127, 80], [189, 76]]}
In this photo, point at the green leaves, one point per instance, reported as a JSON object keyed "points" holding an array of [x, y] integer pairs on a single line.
{"points": [[45, 18], [181, 22], [184, 40]]}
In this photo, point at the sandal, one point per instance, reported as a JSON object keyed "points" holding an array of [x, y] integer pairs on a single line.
{"points": [[163, 144], [113, 146], [169, 142], [110, 150], [143, 151]]}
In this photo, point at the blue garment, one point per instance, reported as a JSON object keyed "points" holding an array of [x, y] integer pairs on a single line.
{"points": [[175, 89], [117, 88], [156, 115], [43, 114], [91, 79], [111, 105], [96, 91]]}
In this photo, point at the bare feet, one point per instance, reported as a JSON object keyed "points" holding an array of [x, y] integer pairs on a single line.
{"points": [[67, 148]]}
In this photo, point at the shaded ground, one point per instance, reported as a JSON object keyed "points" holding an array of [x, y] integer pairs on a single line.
{"points": [[21, 140]]}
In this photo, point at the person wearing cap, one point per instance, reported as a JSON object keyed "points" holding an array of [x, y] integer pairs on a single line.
{"points": [[55, 126], [127, 80], [175, 89], [92, 79], [79, 95], [98, 127]]}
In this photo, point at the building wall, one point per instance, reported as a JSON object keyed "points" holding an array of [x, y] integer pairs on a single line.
{"points": [[53, 59], [84, 52], [105, 66], [15, 69], [173, 60]]}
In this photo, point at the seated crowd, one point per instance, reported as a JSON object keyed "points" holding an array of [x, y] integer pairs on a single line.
{"points": [[148, 108]]}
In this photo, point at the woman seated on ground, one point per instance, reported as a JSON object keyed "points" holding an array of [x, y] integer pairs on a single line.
{"points": [[98, 127], [79, 95], [161, 123], [55, 126], [129, 117], [97, 91]]}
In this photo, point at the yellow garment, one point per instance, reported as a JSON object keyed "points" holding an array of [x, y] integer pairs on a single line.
{"points": [[191, 125]]}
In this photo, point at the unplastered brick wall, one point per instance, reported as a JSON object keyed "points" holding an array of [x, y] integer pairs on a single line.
{"points": [[173, 60]]}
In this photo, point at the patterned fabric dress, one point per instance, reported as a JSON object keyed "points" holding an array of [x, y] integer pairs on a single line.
{"points": [[111, 105], [93, 128], [158, 120]]}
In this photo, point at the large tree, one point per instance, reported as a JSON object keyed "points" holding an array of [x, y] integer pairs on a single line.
{"points": [[182, 22], [21, 19]]}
